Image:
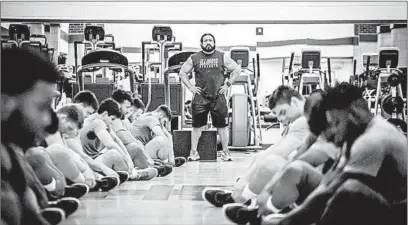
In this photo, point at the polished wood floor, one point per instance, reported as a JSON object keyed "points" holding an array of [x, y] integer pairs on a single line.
{"points": [[174, 199]]}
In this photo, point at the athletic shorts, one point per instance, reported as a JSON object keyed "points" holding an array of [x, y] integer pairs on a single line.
{"points": [[217, 106]]}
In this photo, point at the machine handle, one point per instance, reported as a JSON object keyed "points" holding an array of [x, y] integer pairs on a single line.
{"points": [[23, 42], [292, 56], [106, 43], [165, 75], [144, 43], [329, 71], [355, 68], [111, 36], [283, 71], [367, 67]]}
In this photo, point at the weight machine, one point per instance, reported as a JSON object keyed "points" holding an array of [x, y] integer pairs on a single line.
{"points": [[100, 54], [20, 37], [389, 91], [364, 80], [242, 127], [310, 74], [161, 90]]}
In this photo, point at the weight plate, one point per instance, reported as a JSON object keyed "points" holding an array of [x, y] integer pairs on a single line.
{"points": [[394, 80], [392, 104]]}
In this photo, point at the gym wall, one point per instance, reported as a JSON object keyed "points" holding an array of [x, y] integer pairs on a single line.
{"points": [[399, 40]]}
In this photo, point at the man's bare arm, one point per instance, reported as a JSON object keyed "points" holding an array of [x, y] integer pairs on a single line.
{"points": [[122, 146], [170, 146], [307, 142], [184, 71], [232, 66]]}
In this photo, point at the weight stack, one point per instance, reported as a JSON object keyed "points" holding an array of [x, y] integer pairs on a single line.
{"points": [[207, 144]]}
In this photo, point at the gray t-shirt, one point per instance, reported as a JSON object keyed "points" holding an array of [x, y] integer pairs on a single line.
{"points": [[142, 127], [90, 142], [292, 138]]}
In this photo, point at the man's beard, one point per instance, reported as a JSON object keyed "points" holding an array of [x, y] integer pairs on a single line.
{"points": [[16, 130], [208, 48], [53, 127]]}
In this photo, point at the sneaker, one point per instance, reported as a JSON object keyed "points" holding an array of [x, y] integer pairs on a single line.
{"points": [[217, 197], [53, 216], [164, 170], [226, 156], [68, 204], [241, 214], [108, 183], [145, 174], [76, 190], [194, 156], [180, 161], [51, 196], [123, 176]]}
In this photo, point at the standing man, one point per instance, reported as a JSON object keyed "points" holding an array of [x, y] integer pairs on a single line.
{"points": [[209, 92]]}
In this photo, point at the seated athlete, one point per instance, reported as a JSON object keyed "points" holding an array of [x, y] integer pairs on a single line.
{"points": [[88, 101], [367, 183], [102, 177], [288, 106], [26, 98], [102, 144], [68, 162], [138, 109], [135, 148], [150, 130], [48, 174], [318, 154]]}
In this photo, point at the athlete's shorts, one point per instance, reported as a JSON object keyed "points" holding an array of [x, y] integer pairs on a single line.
{"points": [[217, 106]]}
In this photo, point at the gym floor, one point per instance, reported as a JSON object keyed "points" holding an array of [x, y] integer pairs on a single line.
{"points": [[174, 199]]}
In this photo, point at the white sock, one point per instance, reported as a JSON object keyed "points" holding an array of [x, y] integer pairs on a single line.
{"points": [[271, 207], [247, 194], [51, 186]]}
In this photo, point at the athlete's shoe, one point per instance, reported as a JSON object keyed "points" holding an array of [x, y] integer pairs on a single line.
{"points": [[194, 156], [123, 176], [68, 204], [226, 156], [217, 197], [53, 216], [180, 161]]}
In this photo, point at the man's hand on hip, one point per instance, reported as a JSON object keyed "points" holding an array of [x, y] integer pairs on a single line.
{"points": [[223, 89], [195, 90]]}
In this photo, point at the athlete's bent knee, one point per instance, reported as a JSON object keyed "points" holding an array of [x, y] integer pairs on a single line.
{"points": [[293, 169], [58, 152], [134, 148], [35, 157], [114, 155]]}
